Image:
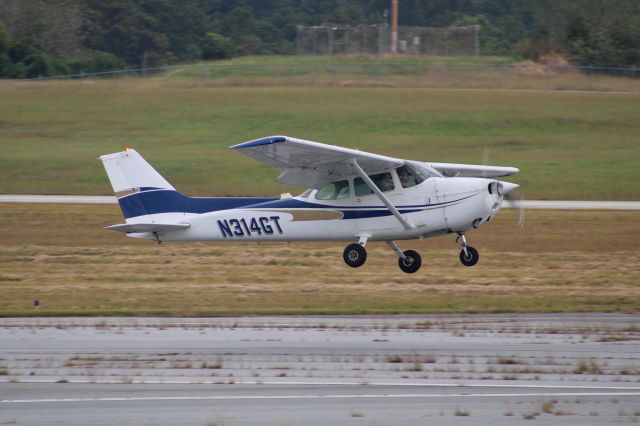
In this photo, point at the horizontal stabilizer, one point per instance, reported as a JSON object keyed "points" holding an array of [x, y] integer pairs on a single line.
{"points": [[147, 227]]}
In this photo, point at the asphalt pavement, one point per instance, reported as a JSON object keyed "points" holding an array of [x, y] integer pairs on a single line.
{"points": [[373, 370]]}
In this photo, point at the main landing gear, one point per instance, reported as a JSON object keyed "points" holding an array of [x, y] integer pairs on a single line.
{"points": [[409, 261], [469, 256], [355, 255]]}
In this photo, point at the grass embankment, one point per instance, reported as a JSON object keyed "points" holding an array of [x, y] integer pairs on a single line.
{"points": [[567, 145], [560, 261], [452, 72]]}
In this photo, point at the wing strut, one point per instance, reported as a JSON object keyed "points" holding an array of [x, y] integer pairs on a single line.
{"points": [[408, 226]]}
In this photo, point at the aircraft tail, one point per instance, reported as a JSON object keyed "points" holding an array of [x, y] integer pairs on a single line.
{"points": [[143, 194], [151, 204]]}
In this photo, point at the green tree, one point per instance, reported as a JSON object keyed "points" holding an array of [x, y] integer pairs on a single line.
{"points": [[95, 62], [5, 42], [603, 33], [216, 46], [121, 28], [51, 26]]}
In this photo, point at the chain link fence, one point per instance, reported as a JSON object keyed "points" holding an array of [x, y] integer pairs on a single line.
{"points": [[420, 67], [375, 40]]}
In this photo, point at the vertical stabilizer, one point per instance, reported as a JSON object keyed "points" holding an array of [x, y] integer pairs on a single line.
{"points": [[128, 171], [143, 194]]}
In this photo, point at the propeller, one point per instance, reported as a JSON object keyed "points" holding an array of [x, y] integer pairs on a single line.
{"points": [[516, 203], [485, 160]]}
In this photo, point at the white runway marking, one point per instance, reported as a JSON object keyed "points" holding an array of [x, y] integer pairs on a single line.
{"points": [[345, 383], [338, 396]]}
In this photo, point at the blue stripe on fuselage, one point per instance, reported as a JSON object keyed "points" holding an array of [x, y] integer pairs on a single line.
{"points": [[292, 203], [158, 201]]}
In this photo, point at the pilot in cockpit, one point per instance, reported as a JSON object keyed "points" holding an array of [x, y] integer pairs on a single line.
{"points": [[406, 177]]}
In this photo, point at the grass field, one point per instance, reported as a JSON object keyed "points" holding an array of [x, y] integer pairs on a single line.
{"points": [[450, 72], [581, 144], [560, 261], [568, 145]]}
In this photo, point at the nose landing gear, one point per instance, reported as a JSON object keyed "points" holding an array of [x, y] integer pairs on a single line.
{"points": [[469, 256]]}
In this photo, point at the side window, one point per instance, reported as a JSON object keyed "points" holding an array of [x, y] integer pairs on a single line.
{"points": [[361, 188], [334, 191], [383, 181]]}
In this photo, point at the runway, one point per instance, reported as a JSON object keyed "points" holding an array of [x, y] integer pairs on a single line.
{"points": [[526, 204], [444, 369], [269, 405]]}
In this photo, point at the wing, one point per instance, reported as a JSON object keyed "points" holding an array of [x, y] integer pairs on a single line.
{"points": [[312, 164], [471, 170]]}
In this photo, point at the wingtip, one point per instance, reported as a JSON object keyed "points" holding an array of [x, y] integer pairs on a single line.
{"points": [[259, 142]]}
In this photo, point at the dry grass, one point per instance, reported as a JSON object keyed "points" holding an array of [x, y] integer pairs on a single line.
{"points": [[560, 261], [461, 413], [549, 406]]}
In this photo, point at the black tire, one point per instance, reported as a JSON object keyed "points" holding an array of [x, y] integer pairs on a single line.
{"points": [[354, 255], [470, 258], [411, 263]]}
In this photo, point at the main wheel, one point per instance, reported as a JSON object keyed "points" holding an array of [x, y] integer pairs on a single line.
{"points": [[469, 258], [354, 255], [411, 263]]}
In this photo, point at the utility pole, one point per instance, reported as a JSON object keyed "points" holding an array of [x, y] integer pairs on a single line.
{"points": [[394, 27]]}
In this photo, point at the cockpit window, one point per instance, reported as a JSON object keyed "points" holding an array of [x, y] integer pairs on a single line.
{"points": [[383, 181], [334, 191], [412, 174]]}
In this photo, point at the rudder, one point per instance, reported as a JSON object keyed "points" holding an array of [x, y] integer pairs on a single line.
{"points": [[140, 188]]}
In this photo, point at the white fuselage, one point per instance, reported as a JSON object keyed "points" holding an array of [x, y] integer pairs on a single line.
{"points": [[434, 207]]}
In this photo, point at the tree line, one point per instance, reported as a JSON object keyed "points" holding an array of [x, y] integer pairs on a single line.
{"points": [[53, 37]]}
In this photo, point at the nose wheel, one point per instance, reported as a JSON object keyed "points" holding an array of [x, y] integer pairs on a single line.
{"points": [[469, 256]]}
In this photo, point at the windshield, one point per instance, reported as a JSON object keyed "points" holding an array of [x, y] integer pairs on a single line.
{"points": [[425, 170], [412, 174]]}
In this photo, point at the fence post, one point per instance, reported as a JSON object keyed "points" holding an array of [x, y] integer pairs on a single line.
{"points": [[476, 39]]}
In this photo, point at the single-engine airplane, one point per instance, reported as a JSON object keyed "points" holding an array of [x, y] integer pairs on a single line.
{"points": [[352, 196]]}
